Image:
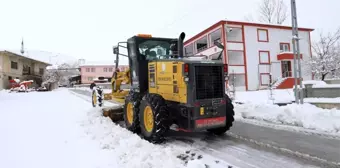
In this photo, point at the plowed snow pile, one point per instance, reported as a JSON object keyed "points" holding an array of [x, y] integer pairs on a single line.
{"points": [[306, 115]]}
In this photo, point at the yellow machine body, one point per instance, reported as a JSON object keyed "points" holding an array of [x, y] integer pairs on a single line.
{"points": [[118, 94], [166, 79]]}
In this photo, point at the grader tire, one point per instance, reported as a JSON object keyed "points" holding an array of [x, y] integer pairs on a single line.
{"points": [[100, 97], [154, 118], [94, 98], [229, 119], [97, 97], [131, 112]]}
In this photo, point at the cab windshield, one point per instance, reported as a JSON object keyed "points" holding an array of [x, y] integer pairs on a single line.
{"points": [[155, 49]]}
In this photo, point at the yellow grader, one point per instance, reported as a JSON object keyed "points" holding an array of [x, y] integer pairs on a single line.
{"points": [[167, 88]]}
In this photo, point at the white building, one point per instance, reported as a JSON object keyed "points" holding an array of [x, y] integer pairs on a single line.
{"points": [[253, 51]]}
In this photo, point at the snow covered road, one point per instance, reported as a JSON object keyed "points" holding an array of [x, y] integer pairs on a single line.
{"points": [[233, 150]]}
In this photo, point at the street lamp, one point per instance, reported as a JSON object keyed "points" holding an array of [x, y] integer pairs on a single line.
{"points": [[297, 57]]}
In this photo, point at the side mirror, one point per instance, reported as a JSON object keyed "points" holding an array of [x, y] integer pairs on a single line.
{"points": [[219, 45], [115, 50]]}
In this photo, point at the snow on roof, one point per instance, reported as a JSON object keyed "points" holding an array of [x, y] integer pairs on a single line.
{"points": [[45, 56], [52, 67], [103, 63], [98, 63], [26, 56]]}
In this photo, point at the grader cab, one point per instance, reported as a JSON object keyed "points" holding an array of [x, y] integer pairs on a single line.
{"points": [[166, 88]]}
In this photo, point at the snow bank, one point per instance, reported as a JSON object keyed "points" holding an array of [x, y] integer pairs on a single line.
{"points": [[264, 96], [133, 152], [314, 82], [128, 149], [326, 86], [320, 84], [322, 100], [306, 115]]}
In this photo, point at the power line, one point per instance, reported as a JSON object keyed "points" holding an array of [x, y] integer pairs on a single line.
{"points": [[173, 22]]}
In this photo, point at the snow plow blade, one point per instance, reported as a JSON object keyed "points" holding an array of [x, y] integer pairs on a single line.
{"points": [[115, 113]]}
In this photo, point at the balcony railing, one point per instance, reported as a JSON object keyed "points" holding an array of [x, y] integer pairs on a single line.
{"points": [[29, 73]]}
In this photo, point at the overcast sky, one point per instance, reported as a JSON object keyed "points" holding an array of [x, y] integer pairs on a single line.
{"points": [[89, 28]]}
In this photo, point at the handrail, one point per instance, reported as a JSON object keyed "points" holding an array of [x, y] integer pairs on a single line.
{"points": [[287, 74]]}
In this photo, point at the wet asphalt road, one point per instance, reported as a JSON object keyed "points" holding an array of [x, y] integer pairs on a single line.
{"points": [[314, 145]]}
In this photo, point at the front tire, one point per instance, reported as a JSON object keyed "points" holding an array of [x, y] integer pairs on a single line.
{"points": [[229, 119], [94, 98], [131, 112], [97, 97], [154, 118]]}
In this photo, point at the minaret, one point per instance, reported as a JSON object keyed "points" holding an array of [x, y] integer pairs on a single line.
{"points": [[22, 46]]}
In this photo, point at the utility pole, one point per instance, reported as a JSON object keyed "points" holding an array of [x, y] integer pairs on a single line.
{"points": [[296, 49]]}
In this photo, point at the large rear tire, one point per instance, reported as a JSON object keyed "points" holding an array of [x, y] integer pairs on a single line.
{"points": [[154, 118], [131, 112], [229, 119]]}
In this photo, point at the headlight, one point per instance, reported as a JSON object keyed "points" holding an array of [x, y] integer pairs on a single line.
{"points": [[226, 78], [186, 79]]}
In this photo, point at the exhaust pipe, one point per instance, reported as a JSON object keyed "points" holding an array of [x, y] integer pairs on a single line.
{"points": [[180, 45]]}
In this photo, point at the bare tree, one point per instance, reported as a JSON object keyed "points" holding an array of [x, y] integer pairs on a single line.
{"points": [[61, 73], [326, 56], [249, 18], [273, 11]]}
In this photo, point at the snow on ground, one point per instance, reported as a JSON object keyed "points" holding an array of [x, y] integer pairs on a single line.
{"points": [[265, 96], [57, 129], [307, 116], [283, 95], [260, 105]]}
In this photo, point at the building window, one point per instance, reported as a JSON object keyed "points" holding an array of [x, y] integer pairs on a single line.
{"points": [[105, 69], [189, 50], [237, 80], [87, 69], [93, 69], [235, 58], [215, 36], [234, 34], [284, 47], [110, 69], [264, 77], [202, 44], [264, 57], [90, 78], [14, 65], [26, 70], [41, 71], [262, 35]]}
